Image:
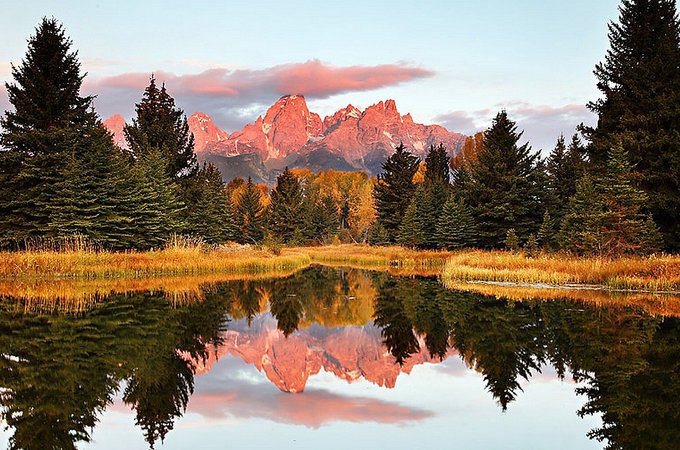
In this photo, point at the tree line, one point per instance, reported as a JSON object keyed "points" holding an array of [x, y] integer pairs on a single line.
{"points": [[613, 189]]}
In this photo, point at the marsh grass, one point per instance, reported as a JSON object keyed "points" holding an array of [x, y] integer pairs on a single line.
{"points": [[76, 277], [85, 264], [652, 274], [398, 260]]}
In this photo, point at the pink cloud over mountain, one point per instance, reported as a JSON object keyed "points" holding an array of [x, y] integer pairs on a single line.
{"points": [[229, 95]]}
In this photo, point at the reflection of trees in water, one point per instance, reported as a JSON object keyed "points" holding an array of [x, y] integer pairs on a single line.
{"points": [[628, 361], [59, 372]]}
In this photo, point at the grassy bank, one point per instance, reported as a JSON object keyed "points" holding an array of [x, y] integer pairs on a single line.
{"points": [[195, 260], [398, 260], [650, 274]]}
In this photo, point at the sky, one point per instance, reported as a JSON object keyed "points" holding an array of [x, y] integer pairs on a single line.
{"points": [[456, 63]]}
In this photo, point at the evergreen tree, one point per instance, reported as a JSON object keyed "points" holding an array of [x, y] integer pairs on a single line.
{"points": [[286, 213], [249, 211], [86, 205], [605, 217], [157, 209], [436, 188], [410, 233], [456, 227], [378, 235], [52, 137], [581, 228], [504, 187], [325, 219], [162, 126], [395, 188], [565, 166], [623, 222], [437, 166], [547, 233], [209, 210], [640, 85]]}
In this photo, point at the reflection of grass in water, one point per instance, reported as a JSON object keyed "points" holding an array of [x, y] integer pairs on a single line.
{"points": [[397, 260], [76, 295], [77, 278], [654, 304], [657, 274]]}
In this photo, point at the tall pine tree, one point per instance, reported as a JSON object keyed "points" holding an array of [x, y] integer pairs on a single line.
{"points": [[210, 214], [51, 139], [162, 126], [395, 188], [286, 216], [504, 186], [640, 84], [249, 214]]}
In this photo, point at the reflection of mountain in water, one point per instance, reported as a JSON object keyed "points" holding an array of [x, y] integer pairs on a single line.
{"points": [[350, 352], [59, 372]]}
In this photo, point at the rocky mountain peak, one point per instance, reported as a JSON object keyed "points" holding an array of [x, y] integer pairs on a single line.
{"points": [[290, 135], [207, 135], [115, 124]]}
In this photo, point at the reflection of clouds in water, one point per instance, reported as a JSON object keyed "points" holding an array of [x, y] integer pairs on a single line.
{"points": [[233, 390]]}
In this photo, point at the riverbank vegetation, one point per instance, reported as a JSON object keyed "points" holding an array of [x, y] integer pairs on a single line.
{"points": [[656, 273]]}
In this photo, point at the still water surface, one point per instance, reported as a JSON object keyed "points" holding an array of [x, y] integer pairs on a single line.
{"points": [[337, 358]]}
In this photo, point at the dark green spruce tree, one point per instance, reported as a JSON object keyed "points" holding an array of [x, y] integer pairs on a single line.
{"points": [[410, 233], [565, 166], [156, 207], [324, 219], [210, 214], [436, 188], [162, 126], [395, 188], [640, 84], [456, 228], [286, 218], [504, 187], [605, 215], [249, 214], [59, 168]]}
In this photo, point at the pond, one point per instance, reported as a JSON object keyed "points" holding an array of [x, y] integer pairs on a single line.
{"points": [[335, 358]]}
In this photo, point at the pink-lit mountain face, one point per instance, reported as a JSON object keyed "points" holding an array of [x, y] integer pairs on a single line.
{"points": [[115, 125], [351, 353], [291, 135]]}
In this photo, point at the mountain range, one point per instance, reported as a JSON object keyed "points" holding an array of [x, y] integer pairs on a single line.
{"points": [[291, 135], [350, 353]]}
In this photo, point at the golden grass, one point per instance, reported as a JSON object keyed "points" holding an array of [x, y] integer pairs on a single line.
{"points": [[172, 261], [76, 294], [396, 260], [78, 278], [652, 274]]}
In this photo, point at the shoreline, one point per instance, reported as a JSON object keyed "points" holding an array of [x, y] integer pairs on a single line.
{"points": [[653, 274]]}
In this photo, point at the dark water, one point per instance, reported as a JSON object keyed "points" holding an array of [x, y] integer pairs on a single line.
{"points": [[337, 358]]}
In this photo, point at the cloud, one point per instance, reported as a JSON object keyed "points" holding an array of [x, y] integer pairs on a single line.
{"points": [[541, 124], [464, 122], [237, 397], [544, 124], [230, 94], [4, 100]]}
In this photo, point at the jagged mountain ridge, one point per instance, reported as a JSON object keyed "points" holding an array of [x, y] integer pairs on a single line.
{"points": [[291, 135], [350, 353]]}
